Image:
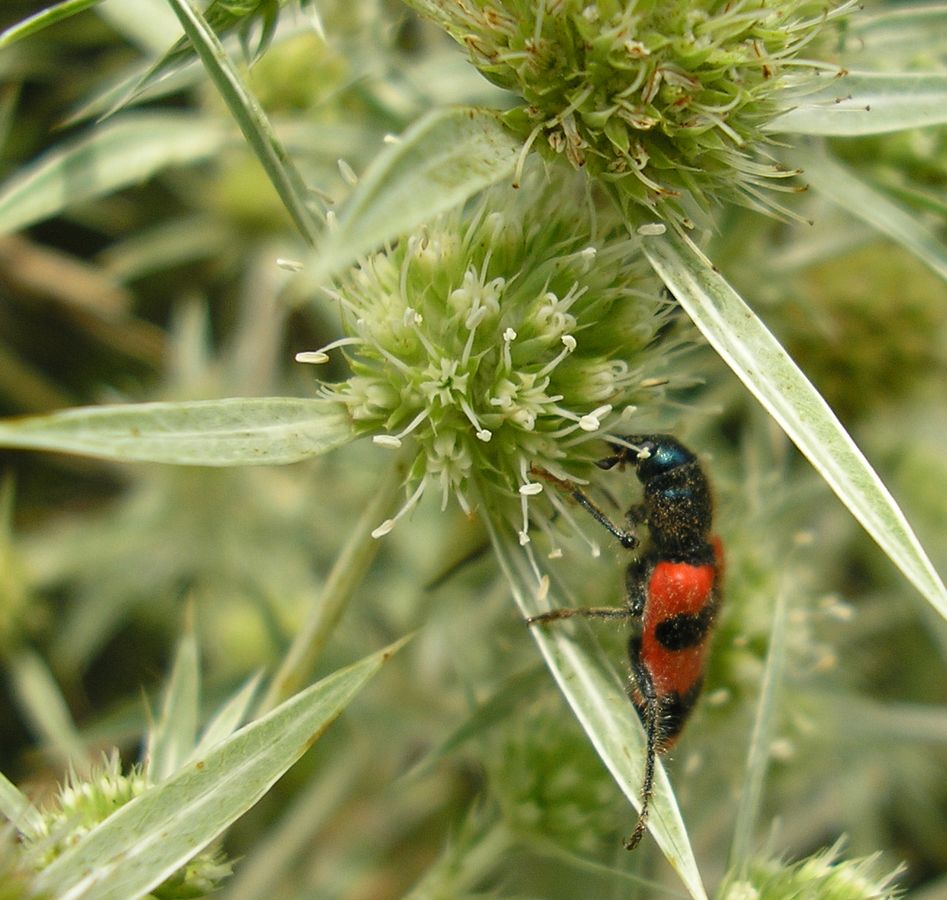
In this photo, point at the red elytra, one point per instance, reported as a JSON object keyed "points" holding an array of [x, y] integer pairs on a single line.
{"points": [[675, 588]]}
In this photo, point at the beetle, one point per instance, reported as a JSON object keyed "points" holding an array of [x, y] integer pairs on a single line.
{"points": [[672, 590]]}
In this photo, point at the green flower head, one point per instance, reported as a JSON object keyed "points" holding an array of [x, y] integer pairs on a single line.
{"points": [[667, 101], [824, 874], [84, 802], [510, 337]]}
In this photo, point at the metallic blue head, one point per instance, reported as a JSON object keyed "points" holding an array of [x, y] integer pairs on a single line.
{"points": [[665, 453]]}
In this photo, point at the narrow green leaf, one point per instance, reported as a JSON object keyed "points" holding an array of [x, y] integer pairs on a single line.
{"points": [[443, 159], [15, 805], [252, 120], [757, 762], [220, 15], [227, 719], [43, 19], [341, 585], [116, 94], [39, 697], [597, 696], [846, 190], [278, 851], [146, 840], [757, 358], [869, 103], [505, 701], [233, 432], [860, 721], [172, 738], [897, 37], [116, 154], [148, 24]]}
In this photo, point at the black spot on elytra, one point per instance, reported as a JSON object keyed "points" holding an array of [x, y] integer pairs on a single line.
{"points": [[682, 631]]}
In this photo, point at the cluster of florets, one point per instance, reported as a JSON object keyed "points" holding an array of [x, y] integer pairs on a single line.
{"points": [[824, 874], [84, 802], [501, 340], [668, 102]]}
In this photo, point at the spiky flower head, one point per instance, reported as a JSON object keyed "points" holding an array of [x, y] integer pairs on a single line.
{"points": [[83, 802], [540, 795], [825, 876], [510, 337], [667, 101]]}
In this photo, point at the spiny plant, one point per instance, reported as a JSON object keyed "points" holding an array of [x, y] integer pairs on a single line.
{"points": [[486, 339]]}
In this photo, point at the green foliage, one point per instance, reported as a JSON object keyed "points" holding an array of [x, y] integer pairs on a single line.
{"points": [[497, 314], [110, 834]]}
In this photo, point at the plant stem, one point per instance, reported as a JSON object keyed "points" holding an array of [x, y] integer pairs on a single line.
{"points": [[346, 575]]}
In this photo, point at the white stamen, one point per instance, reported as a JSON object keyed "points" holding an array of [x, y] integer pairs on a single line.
{"points": [[394, 440], [347, 173], [320, 356], [652, 229], [290, 265], [566, 514], [589, 423], [592, 421], [526, 491], [569, 344], [389, 524], [316, 357], [508, 337], [476, 317], [383, 529], [484, 434], [531, 488], [468, 347]]}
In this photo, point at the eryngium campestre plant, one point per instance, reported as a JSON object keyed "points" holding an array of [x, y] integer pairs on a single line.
{"points": [[84, 802], [513, 335], [824, 874], [666, 100]]}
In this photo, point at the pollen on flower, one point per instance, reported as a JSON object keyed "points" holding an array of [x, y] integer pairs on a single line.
{"points": [[489, 343], [667, 102], [312, 357], [593, 421], [652, 229]]}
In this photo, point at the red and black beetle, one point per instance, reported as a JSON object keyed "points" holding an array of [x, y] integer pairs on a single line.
{"points": [[672, 590]]}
